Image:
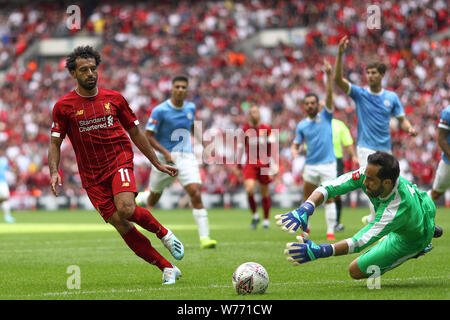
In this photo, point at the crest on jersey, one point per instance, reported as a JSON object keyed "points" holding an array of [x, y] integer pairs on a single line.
{"points": [[80, 112], [387, 103], [189, 116], [356, 175], [108, 108]]}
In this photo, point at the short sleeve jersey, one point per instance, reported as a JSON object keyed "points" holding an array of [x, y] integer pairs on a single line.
{"points": [[96, 127], [172, 125], [374, 113], [318, 135], [258, 144], [444, 123]]}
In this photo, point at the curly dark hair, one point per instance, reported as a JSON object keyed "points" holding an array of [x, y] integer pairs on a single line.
{"points": [[82, 52]]}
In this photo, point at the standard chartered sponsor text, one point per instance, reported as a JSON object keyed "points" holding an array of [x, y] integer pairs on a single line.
{"points": [[96, 123]]}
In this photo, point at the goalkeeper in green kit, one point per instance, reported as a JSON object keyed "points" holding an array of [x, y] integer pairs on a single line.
{"points": [[403, 213]]}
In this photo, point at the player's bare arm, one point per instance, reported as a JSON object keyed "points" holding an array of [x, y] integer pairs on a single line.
{"points": [[155, 144], [442, 141], [352, 153], [295, 150], [406, 126], [54, 155], [196, 132], [329, 89], [145, 147], [340, 81]]}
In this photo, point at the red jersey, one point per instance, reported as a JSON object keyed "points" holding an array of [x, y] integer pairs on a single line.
{"points": [[257, 144], [96, 127]]}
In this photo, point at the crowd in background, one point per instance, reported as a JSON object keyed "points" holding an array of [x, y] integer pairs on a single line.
{"points": [[145, 44]]}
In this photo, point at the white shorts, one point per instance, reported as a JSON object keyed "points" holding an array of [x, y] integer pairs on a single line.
{"points": [[442, 178], [362, 154], [4, 191], [319, 173], [188, 172]]}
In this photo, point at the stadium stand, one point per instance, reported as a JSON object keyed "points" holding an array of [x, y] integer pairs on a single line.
{"points": [[144, 44]]}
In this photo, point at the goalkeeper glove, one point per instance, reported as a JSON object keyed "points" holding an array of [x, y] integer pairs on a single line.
{"points": [[305, 250], [291, 221]]}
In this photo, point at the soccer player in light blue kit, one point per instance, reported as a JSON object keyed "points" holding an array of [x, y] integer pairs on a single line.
{"points": [[374, 108], [4, 189], [316, 131], [169, 131], [442, 178]]}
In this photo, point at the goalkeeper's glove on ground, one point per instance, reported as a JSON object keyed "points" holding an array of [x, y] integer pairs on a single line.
{"points": [[305, 250]]}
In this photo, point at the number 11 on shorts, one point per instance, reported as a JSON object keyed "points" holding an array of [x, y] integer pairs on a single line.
{"points": [[124, 176]]}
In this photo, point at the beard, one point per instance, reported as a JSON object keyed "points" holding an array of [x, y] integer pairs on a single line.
{"points": [[86, 85], [375, 193]]}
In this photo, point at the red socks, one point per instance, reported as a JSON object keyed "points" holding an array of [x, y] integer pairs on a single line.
{"points": [[252, 203], [145, 219], [266, 206], [143, 248]]}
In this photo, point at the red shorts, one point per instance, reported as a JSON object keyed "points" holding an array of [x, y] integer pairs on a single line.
{"points": [[102, 194], [253, 172]]}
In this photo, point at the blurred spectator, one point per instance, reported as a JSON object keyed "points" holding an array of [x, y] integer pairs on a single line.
{"points": [[145, 44]]}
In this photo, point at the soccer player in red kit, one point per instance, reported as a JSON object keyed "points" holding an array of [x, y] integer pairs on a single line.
{"points": [[258, 139], [97, 121]]}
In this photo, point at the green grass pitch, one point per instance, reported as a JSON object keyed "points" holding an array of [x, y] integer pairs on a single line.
{"points": [[37, 250]]}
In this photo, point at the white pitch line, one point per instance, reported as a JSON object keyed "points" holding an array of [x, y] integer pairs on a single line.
{"points": [[112, 291], [157, 246]]}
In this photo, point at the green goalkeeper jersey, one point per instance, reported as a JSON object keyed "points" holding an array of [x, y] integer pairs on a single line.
{"points": [[407, 213]]}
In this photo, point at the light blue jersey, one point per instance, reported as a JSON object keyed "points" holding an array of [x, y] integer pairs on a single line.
{"points": [[172, 126], [318, 135], [444, 123], [4, 166], [374, 111]]}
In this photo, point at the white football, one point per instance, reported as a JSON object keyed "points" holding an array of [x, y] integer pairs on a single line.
{"points": [[250, 278]]}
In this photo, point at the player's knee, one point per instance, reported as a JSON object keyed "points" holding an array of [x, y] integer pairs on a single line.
{"points": [[126, 208], [195, 194], [122, 225], [355, 272], [435, 195]]}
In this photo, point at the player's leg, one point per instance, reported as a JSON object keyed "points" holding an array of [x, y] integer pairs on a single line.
{"points": [[264, 181], [153, 198], [200, 215], [143, 248], [189, 177], [102, 198], [441, 181], [4, 203], [249, 185], [385, 255], [124, 190], [338, 200], [328, 172]]}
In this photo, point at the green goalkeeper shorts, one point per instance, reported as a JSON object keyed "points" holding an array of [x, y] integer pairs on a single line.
{"points": [[387, 254], [392, 251]]}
